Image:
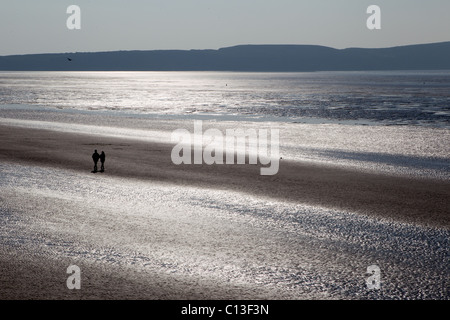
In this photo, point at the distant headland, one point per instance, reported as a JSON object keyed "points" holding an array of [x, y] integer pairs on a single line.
{"points": [[246, 58]]}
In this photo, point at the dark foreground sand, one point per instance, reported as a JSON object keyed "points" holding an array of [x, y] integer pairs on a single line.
{"points": [[417, 201]]}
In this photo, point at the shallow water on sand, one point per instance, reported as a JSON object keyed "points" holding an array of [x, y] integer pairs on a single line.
{"points": [[400, 97], [271, 249]]}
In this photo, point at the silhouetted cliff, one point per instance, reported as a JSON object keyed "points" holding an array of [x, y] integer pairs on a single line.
{"points": [[242, 58]]}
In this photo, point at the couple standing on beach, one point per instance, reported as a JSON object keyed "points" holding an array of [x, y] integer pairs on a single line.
{"points": [[100, 157]]}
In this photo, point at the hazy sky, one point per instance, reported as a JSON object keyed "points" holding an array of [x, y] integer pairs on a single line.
{"points": [[39, 26]]}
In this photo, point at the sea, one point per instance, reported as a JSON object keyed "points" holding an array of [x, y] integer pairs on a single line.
{"points": [[377, 97]]}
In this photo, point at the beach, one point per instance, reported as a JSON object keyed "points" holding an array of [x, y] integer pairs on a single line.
{"points": [[149, 229]]}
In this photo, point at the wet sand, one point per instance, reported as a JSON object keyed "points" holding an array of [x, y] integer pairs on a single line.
{"points": [[418, 201]]}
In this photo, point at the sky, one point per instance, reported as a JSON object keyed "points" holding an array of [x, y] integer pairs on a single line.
{"points": [[39, 26]]}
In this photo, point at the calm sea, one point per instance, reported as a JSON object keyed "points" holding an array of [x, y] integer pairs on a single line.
{"points": [[394, 98]]}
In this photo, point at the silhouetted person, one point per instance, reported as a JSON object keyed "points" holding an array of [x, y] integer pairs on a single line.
{"points": [[95, 157], [102, 160]]}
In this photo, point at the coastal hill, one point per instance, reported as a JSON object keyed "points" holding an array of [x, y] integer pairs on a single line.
{"points": [[269, 58]]}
